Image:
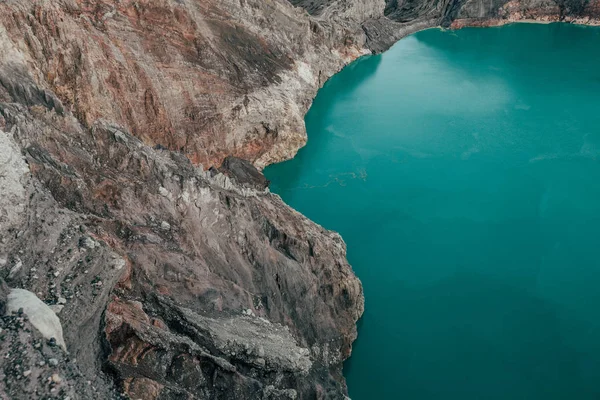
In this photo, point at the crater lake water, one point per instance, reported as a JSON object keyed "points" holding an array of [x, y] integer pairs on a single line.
{"points": [[462, 168]]}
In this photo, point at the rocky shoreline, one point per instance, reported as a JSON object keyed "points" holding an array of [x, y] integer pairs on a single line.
{"points": [[587, 13], [131, 135]]}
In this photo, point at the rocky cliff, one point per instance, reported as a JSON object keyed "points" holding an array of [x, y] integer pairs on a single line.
{"points": [[131, 204]]}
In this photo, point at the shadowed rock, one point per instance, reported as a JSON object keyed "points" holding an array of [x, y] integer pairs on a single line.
{"points": [[244, 173]]}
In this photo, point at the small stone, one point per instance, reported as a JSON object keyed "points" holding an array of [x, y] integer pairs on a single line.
{"points": [[56, 378], [119, 136], [62, 300], [57, 308], [165, 226], [163, 191], [53, 362], [56, 274], [119, 264], [87, 242], [15, 269], [27, 373]]}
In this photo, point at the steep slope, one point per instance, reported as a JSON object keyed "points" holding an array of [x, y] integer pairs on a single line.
{"points": [[206, 78]]}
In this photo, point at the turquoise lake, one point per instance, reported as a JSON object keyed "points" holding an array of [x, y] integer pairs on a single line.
{"points": [[462, 168]]}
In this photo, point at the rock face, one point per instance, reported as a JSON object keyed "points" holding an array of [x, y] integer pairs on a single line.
{"points": [[501, 12], [235, 270], [205, 78], [171, 280], [12, 179]]}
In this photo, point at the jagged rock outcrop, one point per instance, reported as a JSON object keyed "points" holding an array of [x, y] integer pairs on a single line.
{"points": [[206, 78], [477, 13], [174, 238], [171, 280]]}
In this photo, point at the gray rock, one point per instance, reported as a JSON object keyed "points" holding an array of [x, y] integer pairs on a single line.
{"points": [[57, 308], [165, 226]]}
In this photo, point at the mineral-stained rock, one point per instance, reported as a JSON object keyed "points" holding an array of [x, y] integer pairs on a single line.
{"points": [[209, 78], [173, 281]]}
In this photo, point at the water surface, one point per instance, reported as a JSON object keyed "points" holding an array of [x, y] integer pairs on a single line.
{"points": [[462, 169]]}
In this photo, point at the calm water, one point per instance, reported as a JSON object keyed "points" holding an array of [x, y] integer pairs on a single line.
{"points": [[463, 170]]}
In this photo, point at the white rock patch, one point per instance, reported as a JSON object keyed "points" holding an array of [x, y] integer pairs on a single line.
{"points": [[305, 72], [41, 316], [13, 170]]}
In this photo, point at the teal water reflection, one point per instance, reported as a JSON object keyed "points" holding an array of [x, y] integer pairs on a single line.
{"points": [[462, 169]]}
